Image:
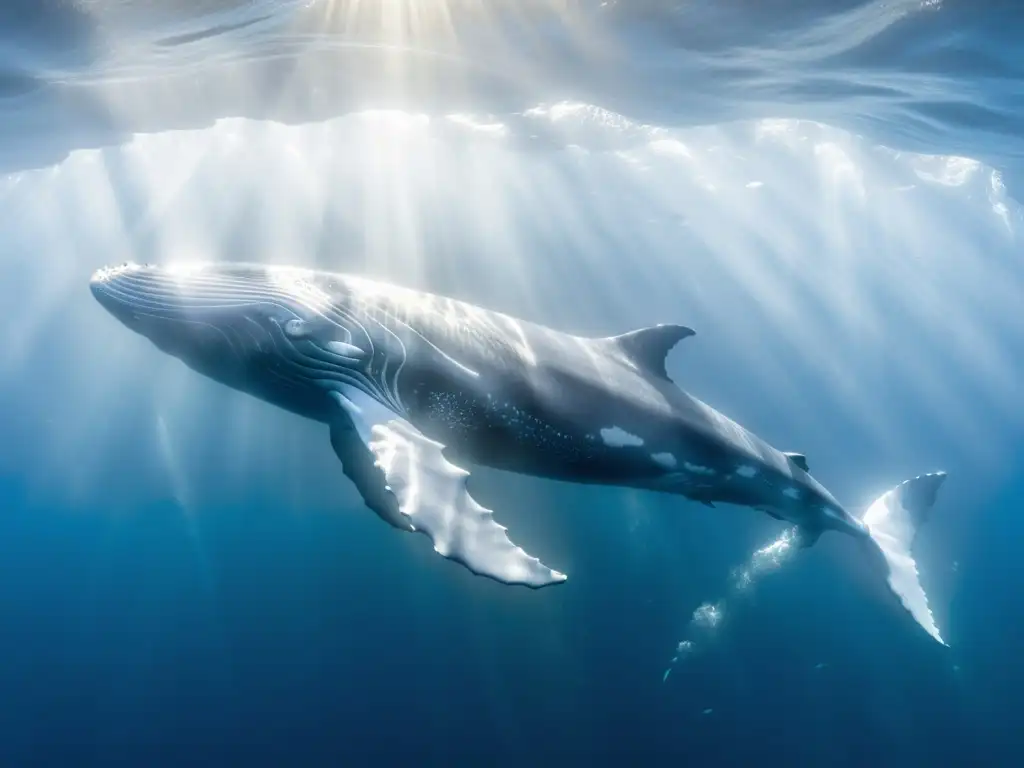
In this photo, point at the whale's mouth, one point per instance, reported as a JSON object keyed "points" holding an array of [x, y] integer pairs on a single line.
{"points": [[151, 289], [100, 285], [161, 299], [184, 312], [104, 287], [131, 293]]}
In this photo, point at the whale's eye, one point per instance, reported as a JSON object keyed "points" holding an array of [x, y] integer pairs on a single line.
{"points": [[295, 328]]}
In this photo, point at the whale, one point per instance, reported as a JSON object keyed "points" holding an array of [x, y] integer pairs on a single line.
{"points": [[415, 387]]}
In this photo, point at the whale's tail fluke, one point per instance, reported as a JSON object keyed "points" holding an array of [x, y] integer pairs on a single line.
{"points": [[892, 522]]}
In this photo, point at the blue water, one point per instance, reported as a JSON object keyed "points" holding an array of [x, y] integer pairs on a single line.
{"points": [[827, 192]]}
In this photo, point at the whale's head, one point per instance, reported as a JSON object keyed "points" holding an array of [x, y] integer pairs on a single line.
{"points": [[266, 330]]}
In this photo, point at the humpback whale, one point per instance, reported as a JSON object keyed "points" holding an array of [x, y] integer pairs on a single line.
{"points": [[414, 387]]}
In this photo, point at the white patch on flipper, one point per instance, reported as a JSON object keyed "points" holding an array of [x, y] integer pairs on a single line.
{"points": [[616, 437], [746, 470], [792, 493], [667, 460], [431, 493]]}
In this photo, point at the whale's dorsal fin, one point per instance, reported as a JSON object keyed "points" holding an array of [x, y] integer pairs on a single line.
{"points": [[799, 460], [649, 347]]}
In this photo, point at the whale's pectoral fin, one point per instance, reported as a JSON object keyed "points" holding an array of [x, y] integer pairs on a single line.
{"points": [[404, 477], [360, 466]]}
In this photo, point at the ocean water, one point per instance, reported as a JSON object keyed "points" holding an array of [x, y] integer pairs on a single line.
{"points": [[828, 192]]}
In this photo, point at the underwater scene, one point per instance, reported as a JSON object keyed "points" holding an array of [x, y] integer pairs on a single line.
{"points": [[504, 382]]}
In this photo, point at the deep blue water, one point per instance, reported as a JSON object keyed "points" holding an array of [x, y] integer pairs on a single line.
{"points": [[827, 192]]}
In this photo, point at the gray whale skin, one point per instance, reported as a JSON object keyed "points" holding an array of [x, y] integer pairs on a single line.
{"points": [[412, 386]]}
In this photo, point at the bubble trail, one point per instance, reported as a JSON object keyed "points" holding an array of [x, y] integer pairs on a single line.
{"points": [[709, 616]]}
